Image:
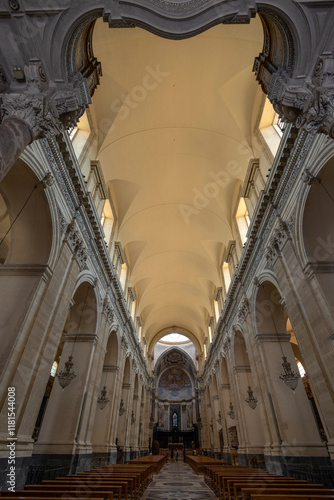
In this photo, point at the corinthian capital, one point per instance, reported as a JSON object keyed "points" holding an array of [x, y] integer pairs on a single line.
{"points": [[45, 109], [33, 110]]}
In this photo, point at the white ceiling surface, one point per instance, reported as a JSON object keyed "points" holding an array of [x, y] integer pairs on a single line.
{"points": [[163, 146]]}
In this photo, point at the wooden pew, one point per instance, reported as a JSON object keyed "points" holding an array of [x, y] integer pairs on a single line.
{"points": [[305, 496], [70, 488], [132, 478], [244, 475], [18, 495], [281, 483], [145, 472], [287, 491], [157, 461], [42, 495], [118, 486], [140, 477], [211, 473]]}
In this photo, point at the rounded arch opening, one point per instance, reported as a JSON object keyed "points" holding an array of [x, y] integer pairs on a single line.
{"points": [[25, 218], [317, 225]]}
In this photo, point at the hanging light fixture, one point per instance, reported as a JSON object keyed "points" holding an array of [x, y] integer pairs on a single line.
{"points": [[211, 424], [289, 377], [133, 418], [231, 413], [219, 419], [102, 401], [66, 376], [121, 408], [251, 400]]}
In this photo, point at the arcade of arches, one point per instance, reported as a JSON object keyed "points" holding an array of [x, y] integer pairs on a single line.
{"points": [[166, 232]]}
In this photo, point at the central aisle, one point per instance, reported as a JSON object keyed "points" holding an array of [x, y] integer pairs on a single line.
{"points": [[177, 481]]}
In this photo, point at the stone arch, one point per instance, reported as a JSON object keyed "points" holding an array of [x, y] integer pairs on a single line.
{"points": [[62, 424], [163, 363], [287, 44], [317, 227], [269, 310], [25, 251], [112, 354], [83, 314], [174, 329], [31, 233]]}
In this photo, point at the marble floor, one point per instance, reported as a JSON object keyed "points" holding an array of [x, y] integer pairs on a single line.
{"points": [[177, 481]]}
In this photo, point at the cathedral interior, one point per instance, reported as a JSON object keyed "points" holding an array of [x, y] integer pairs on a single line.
{"points": [[166, 227]]}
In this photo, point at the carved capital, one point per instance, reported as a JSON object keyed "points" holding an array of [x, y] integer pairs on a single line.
{"points": [[309, 105], [45, 109]]}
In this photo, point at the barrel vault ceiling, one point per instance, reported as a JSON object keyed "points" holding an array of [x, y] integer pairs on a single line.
{"points": [[175, 122]]}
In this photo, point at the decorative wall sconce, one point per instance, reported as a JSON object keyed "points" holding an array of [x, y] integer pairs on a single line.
{"points": [[231, 413], [121, 408], [251, 400], [102, 401], [289, 377], [219, 419], [66, 376]]}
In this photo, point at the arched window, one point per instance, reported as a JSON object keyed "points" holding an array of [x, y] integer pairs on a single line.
{"points": [[227, 276], [243, 220]]}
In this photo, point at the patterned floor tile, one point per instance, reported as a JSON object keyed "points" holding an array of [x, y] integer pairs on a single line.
{"points": [[177, 481]]}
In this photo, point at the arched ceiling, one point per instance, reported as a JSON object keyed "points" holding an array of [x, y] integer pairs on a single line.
{"points": [[175, 122]]}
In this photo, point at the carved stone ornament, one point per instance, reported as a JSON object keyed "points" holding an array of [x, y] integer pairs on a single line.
{"points": [[124, 344], [108, 310], [243, 310], [76, 244], [310, 106], [62, 221], [14, 5], [281, 235], [46, 110], [48, 180], [233, 11], [226, 345]]}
